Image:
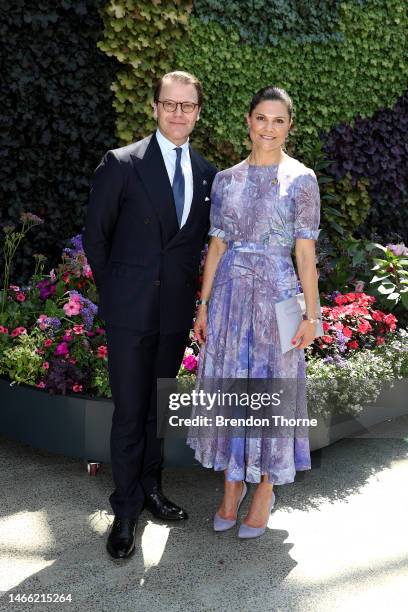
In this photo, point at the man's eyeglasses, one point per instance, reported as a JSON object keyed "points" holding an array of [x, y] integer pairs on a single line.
{"points": [[170, 106]]}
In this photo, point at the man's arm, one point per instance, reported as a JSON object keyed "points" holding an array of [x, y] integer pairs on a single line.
{"points": [[102, 214]]}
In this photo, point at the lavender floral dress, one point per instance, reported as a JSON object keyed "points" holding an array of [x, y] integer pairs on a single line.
{"points": [[258, 211]]}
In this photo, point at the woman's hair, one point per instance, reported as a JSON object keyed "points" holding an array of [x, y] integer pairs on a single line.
{"points": [[272, 93]]}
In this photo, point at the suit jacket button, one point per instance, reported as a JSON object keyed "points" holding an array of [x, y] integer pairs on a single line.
{"points": [[157, 283], [146, 220]]}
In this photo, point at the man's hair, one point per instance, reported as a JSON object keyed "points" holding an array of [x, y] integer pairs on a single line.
{"points": [[181, 77]]}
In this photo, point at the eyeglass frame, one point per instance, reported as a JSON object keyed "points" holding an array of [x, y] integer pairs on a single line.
{"points": [[163, 102]]}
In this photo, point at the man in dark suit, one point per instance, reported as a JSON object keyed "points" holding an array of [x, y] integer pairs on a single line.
{"points": [[147, 220]]}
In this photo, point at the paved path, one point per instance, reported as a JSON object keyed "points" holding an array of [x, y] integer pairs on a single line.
{"points": [[338, 539]]}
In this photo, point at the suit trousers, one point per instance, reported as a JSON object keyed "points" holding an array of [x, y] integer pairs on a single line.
{"points": [[135, 362]]}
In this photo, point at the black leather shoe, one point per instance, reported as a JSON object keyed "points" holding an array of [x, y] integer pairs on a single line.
{"points": [[121, 540], [163, 508]]}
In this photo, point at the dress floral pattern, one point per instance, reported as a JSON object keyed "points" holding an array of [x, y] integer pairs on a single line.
{"points": [[258, 211]]}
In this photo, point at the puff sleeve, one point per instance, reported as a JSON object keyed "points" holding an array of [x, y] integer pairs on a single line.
{"points": [[307, 207], [216, 222]]}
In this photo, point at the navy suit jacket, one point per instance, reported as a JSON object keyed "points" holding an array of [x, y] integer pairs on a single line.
{"points": [[144, 266]]}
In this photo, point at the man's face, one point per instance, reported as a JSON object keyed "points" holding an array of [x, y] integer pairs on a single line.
{"points": [[176, 125]]}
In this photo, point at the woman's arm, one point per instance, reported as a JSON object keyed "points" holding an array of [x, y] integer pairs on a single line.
{"points": [[306, 266], [216, 250]]}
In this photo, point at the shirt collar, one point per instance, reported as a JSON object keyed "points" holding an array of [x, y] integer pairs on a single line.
{"points": [[166, 145]]}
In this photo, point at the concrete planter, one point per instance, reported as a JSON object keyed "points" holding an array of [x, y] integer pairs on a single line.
{"points": [[80, 427]]}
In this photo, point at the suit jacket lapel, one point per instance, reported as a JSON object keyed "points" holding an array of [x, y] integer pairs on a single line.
{"points": [[153, 173]]}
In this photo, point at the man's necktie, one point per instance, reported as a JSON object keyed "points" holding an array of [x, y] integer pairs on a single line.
{"points": [[178, 186]]}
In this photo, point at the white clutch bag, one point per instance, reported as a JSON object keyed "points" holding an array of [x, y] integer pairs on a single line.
{"points": [[289, 315]]}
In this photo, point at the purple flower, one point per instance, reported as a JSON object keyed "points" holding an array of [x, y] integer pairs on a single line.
{"points": [[47, 289], [62, 349], [341, 341], [398, 249]]}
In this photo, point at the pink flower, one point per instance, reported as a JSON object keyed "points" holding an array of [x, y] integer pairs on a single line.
{"points": [[326, 326], [41, 321], [377, 315], [68, 335], [20, 297], [53, 276], [39, 351], [48, 342], [77, 388], [78, 329], [102, 351], [72, 360], [190, 363], [338, 326], [359, 286], [18, 331], [380, 340], [45, 365], [3, 330], [87, 271], [390, 321], [62, 349], [14, 288], [72, 308], [99, 330], [41, 384], [90, 334], [364, 326], [327, 339], [347, 332]]}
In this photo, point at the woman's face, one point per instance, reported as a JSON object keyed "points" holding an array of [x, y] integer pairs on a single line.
{"points": [[269, 125]]}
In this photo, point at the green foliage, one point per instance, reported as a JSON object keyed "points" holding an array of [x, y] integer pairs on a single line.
{"points": [[391, 274], [348, 207], [21, 362], [142, 36], [56, 116], [267, 21], [329, 83]]}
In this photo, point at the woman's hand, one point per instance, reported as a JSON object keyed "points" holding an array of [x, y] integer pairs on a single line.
{"points": [[305, 334], [200, 325]]}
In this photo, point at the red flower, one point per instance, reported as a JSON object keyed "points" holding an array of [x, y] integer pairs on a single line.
{"points": [[390, 321], [48, 342], [77, 388], [379, 341], [20, 297], [102, 351], [364, 326], [18, 331], [78, 329], [340, 300], [353, 344], [3, 330], [326, 326], [347, 332], [327, 339], [377, 315]]}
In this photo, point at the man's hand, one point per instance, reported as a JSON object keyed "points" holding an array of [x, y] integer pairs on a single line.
{"points": [[200, 325]]}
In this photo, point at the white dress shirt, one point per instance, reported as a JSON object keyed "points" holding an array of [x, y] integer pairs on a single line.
{"points": [[167, 149]]}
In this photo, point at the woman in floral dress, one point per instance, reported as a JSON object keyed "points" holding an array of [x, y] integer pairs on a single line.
{"points": [[260, 209]]}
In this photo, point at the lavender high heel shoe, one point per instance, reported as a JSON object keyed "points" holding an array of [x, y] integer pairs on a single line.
{"points": [[221, 524], [245, 531]]}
